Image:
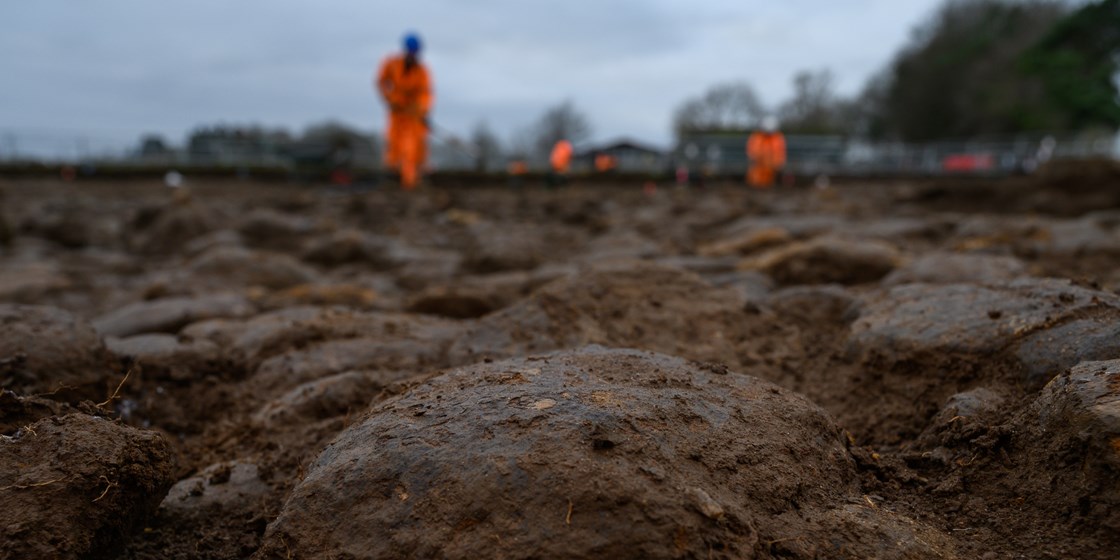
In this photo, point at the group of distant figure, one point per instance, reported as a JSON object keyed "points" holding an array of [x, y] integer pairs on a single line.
{"points": [[405, 85]]}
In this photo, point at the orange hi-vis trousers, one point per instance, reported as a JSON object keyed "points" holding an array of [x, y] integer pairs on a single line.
{"points": [[407, 148], [767, 153]]}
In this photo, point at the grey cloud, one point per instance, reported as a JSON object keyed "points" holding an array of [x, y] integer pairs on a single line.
{"points": [[136, 66]]}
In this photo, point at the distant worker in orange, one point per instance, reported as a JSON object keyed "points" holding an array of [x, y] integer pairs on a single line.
{"points": [[404, 84], [561, 160], [517, 167], [604, 162], [517, 170], [766, 150]]}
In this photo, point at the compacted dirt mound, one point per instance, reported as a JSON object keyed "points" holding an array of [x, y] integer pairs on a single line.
{"points": [[17, 412], [223, 509], [386, 341], [1067, 446], [1040, 477], [73, 486], [268, 229], [169, 357], [48, 350], [825, 260], [474, 296], [630, 304], [31, 282], [1063, 187], [1065, 452], [165, 229], [497, 248], [918, 344], [170, 314], [1072, 187], [958, 268], [73, 223], [591, 453], [968, 318], [222, 268]]}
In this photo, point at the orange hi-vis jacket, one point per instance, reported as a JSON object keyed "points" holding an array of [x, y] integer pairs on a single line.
{"points": [[561, 156], [767, 153], [408, 92], [604, 163]]}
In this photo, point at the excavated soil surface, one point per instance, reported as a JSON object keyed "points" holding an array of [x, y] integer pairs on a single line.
{"points": [[241, 370]]}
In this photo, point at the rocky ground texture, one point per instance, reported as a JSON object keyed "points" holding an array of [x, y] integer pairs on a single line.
{"points": [[235, 370]]}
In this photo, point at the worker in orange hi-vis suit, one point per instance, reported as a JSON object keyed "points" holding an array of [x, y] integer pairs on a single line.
{"points": [[561, 160], [604, 163], [561, 156], [404, 84], [766, 150], [517, 167]]}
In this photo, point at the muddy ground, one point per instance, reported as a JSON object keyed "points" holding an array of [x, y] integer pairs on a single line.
{"points": [[235, 370]]}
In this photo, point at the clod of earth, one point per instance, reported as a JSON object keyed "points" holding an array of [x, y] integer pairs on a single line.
{"points": [[75, 485], [658, 459]]}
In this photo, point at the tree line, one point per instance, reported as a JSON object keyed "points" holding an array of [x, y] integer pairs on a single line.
{"points": [[973, 68]]}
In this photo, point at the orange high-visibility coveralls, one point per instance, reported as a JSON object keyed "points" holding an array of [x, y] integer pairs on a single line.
{"points": [[408, 92], [561, 156], [604, 163], [767, 152]]}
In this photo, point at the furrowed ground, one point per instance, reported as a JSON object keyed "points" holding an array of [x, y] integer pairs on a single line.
{"points": [[233, 370]]}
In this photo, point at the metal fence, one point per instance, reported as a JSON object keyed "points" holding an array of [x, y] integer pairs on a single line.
{"points": [[726, 153], [715, 153], [226, 147], [360, 152]]}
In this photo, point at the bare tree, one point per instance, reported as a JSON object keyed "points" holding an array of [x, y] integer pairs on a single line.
{"points": [[728, 106], [153, 145], [487, 149], [521, 145], [562, 122], [815, 108]]}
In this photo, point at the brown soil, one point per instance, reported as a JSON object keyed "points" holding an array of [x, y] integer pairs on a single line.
{"points": [[875, 371], [76, 486], [588, 453]]}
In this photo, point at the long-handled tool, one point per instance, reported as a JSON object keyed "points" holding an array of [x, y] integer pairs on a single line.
{"points": [[449, 138]]}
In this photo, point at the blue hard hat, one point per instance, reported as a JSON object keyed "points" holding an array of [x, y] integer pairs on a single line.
{"points": [[412, 43]]}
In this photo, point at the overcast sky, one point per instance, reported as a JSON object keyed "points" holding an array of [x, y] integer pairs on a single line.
{"points": [[112, 69]]}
